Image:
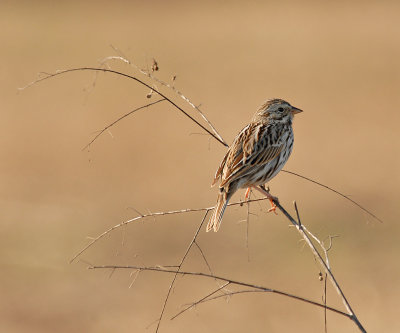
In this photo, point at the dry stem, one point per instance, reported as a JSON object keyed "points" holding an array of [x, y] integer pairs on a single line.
{"points": [[149, 74], [229, 281], [305, 234], [61, 72], [179, 268], [137, 218], [213, 131]]}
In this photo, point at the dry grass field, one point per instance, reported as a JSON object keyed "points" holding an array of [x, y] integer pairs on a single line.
{"points": [[338, 61]]}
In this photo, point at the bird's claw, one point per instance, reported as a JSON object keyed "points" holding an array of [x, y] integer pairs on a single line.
{"points": [[273, 207]]}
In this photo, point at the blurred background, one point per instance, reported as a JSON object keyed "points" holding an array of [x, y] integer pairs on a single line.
{"points": [[338, 61]]}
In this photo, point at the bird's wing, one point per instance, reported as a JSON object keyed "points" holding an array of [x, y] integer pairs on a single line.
{"points": [[218, 173], [250, 149], [232, 156]]}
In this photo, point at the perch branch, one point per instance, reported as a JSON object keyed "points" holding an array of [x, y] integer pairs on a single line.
{"points": [[214, 135], [301, 229]]}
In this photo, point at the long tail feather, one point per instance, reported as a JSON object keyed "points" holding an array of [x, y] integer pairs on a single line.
{"points": [[216, 218]]}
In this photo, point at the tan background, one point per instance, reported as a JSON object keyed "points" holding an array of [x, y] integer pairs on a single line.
{"points": [[337, 61]]}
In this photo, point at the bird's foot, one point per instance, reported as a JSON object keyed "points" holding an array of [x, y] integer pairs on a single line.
{"points": [[270, 197], [273, 206], [247, 194]]}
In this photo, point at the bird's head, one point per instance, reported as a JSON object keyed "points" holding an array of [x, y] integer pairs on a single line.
{"points": [[276, 109]]}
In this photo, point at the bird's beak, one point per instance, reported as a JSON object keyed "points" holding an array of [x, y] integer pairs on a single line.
{"points": [[296, 110]]}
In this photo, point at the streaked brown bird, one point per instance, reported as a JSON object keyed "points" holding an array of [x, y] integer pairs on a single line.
{"points": [[257, 154]]}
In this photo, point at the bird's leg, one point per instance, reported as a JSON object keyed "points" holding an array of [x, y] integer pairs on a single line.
{"points": [[247, 194], [271, 198]]}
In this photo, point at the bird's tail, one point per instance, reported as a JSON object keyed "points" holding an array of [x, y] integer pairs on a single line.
{"points": [[216, 218]]}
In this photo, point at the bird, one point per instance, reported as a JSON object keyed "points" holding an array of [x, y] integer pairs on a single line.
{"points": [[257, 154]]}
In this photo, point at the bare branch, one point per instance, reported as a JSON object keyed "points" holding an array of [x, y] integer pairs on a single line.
{"points": [[61, 72], [215, 135], [297, 212], [179, 268], [119, 119], [93, 240], [305, 234], [325, 312], [230, 281], [301, 229], [200, 300], [203, 256], [136, 274], [172, 87], [263, 291], [248, 226], [321, 244], [334, 191]]}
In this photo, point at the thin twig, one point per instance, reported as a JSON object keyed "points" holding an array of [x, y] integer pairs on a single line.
{"points": [[261, 291], [149, 74], [200, 300], [136, 273], [321, 244], [61, 72], [119, 119], [215, 135], [239, 283], [248, 230], [302, 230], [204, 257], [325, 312], [303, 233], [331, 242], [297, 212], [179, 268], [93, 240], [334, 191]]}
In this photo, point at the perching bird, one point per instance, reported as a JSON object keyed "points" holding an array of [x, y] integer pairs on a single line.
{"points": [[257, 154]]}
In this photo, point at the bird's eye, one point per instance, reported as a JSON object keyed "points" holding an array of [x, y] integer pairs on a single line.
{"points": [[280, 109]]}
